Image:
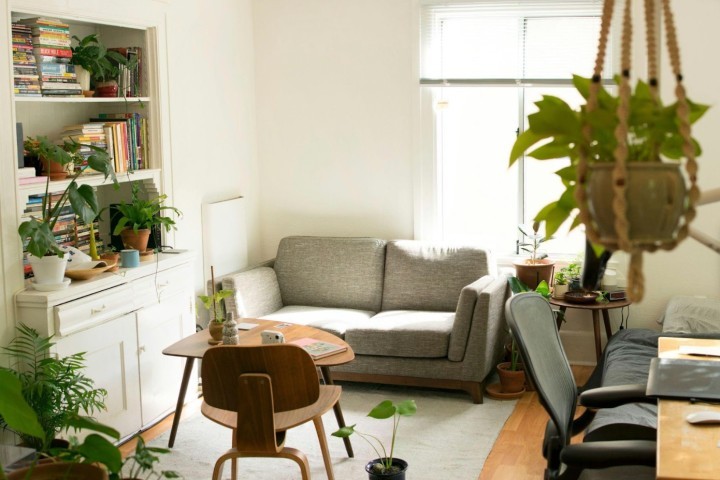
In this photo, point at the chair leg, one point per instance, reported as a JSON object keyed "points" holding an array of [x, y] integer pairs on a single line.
{"points": [[320, 429], [298, 457], [233, 465], [232, 455]]}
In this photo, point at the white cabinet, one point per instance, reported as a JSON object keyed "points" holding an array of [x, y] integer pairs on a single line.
{"points": [[123, 321]]}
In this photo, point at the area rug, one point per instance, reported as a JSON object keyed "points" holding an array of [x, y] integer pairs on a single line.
{"points": [[449, 437]]}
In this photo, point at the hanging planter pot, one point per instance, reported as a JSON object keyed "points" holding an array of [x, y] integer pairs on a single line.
{"points": [[398, 471], [655, 198]]}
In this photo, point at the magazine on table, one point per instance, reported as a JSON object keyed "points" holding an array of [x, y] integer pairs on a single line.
{"points": [[318, 348]]}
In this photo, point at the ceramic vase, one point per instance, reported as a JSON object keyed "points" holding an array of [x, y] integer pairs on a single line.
{"points": [[49, 269]]}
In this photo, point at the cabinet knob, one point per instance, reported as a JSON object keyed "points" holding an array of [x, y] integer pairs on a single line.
{"points": [[97, 310], [141, 349]]}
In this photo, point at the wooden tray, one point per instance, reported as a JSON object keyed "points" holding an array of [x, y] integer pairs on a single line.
{"points": [[87, 273], [581, 297]]}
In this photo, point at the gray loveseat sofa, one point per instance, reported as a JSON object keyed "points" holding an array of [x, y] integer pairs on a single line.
{"points": [[414, 313]]}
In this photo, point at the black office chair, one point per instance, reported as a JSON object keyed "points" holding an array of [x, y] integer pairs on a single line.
{"points": [[533, 325]]}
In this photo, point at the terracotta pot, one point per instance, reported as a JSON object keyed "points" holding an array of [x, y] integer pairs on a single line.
{"points": [[111, 258], [106, 89], [531, 274], [137, 241], [60, 471], [54, 170], [510, 381], [655, 196], [402, 465], [216, 332]]}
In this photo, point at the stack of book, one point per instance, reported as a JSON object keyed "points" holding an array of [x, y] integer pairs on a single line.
{"points": [[126, 136], [25, 74], [130, 82], [51, 45], [26, 176], [87, 135]]}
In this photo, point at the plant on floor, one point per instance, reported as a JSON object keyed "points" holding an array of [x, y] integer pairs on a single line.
{"points": [[54, 387], [39, 229], [386, 409]]}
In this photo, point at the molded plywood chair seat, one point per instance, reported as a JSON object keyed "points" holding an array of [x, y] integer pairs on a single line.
{"points": [[532, 323], [260, 392]]}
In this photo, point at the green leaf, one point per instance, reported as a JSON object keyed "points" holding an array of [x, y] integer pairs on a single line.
{"points": [[407, 408], [344, 431], [15, 411], [551, 150], [554, 117], [86, 423], [384, 409], [524, 141], [516, 286], [543, 289], [567, 174], [41, 237], [97, 448]]}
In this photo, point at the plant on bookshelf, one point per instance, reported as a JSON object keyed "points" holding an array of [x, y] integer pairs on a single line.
{"points": [[103, 64], [45, 253], [135, 219]]}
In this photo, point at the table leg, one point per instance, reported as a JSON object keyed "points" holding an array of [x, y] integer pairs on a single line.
{"points": [[559, 319], [181, 399], [596, 328], [338, 411], [606, 319]]}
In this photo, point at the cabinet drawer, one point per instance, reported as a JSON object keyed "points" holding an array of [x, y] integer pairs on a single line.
{"points": [[93, 310], [153, 289]]}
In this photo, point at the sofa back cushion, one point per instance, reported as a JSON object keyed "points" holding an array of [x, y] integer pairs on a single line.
{"points": [[331, 271], [424, 276]]}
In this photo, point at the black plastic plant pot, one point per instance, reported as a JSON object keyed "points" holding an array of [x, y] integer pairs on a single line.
{"points": [[402, 466]]}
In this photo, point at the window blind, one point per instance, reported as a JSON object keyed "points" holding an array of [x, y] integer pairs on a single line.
{"points": [[496, 42]]}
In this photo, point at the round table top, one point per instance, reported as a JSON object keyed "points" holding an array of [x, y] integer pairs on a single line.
{"points": [[592, 305]]}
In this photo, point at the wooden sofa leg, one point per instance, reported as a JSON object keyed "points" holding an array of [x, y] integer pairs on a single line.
{"points": [[475, 390]]}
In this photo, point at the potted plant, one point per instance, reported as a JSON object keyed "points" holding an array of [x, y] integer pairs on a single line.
{"points": [[135, 219], [386, 466], [653, 191], [55, 388], [566, 279], [537, 268], [102, 65], [213, 304], [46, 257]]}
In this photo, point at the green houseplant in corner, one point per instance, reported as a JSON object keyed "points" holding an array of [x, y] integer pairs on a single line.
{"points": [[537, 268], [102, 65], [136, 218], [46, 257], [386, 466]]}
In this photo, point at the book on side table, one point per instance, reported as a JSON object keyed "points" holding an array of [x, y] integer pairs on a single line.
{"points": [[318, 348]]}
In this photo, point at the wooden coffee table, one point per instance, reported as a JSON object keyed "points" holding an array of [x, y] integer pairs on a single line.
{"points": [[196, 345]]}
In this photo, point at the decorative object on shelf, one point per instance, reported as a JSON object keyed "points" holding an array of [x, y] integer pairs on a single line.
{"points": [[135, 219], [86, 271], [537, 268], [230, 332], [633, 134], [111, 257], [386, 466], [130, 258], [55, 388], [39, 230], [581, 297], [213, 304], [103, 64]]}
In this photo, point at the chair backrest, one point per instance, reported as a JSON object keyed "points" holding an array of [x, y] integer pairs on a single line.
{"points": [[291, 370], [533, 326]]}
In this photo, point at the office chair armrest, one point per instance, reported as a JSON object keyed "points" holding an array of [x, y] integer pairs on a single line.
{"points": [[609, 397], [610, 454]]}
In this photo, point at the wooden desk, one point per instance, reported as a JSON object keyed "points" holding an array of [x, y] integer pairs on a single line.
{"points": [[595, 308], [196, 345], [686, 451]]}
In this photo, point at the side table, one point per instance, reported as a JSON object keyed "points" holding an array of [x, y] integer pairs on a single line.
{"points": [[595, 308]]}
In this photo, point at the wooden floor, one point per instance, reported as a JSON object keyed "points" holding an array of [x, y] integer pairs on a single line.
{"points": [[516, 454]]}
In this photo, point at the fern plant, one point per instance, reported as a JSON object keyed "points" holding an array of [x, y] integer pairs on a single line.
{"points": [[55, 388]]}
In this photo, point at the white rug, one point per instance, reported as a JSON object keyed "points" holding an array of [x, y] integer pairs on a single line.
{"points": [[448, 437]]}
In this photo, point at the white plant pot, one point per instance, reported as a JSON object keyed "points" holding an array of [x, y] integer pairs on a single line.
{"points": [[83, 78], [559, 291], [48, 270]]}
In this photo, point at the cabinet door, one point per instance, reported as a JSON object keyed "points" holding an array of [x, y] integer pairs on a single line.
{"points": [[111, 361], [159, 326]]}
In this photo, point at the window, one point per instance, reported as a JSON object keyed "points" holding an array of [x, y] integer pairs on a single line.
{"points": [[483, 65]]}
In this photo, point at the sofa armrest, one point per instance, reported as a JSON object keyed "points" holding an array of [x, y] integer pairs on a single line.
{"points": [[256, 292], [478, 315]]}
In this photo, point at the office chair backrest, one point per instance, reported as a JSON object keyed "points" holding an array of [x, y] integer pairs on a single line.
{"points": [[533, 326], [291, 369]]}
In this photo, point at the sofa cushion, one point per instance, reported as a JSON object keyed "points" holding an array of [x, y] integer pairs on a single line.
{"points": [[423, 276], [333, 320], [402, 333], [331, 272]]}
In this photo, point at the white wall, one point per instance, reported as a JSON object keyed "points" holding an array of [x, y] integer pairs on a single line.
{"points": [[334, 93]]}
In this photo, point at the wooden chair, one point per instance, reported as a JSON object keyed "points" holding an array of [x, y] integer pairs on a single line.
{"points": [[260, 392]]}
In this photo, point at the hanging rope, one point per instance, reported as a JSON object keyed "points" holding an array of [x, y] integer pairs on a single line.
{"points": [[636, 281]]}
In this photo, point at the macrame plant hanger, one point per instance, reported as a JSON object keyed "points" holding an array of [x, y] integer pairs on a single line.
{"points": [[636, 282]]}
